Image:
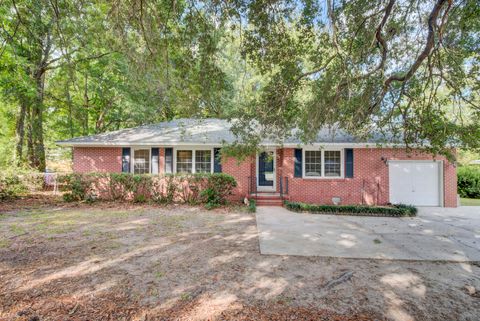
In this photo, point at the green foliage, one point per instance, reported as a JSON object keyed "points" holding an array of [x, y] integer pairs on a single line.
{"points": [[18, 182], [218, 187], [368, 68], [80, 68], [68, 197], [468, 181], [70, 68], [466, 157], [11, 186], [211, 189], [252, 205], [77, 185], [395, 210]]}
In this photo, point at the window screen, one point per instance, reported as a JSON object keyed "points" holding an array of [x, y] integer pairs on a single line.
{"points": [[141, 161], [332, 163], [203, 161], [184, 161], [313, 163]]}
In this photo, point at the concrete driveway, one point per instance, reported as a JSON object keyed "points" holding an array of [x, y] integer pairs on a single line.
{"points": [[445, 234]]}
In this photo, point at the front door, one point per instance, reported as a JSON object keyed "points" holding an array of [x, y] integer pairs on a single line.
{"points": [[266, 171]]}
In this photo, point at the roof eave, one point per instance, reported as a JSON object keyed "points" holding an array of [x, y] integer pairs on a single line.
{"points": [[288, 145]]}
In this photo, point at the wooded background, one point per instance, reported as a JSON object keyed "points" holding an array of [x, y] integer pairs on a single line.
{"points": [[408, 68]]}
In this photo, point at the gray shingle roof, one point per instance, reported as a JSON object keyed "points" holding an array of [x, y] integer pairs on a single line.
{"points": [[186, 131]]}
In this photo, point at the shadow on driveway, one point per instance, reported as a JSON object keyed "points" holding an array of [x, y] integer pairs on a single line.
{"points": [[436, 234]]}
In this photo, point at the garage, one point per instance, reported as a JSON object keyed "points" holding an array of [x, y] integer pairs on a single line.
{"points": [[416, 182]]}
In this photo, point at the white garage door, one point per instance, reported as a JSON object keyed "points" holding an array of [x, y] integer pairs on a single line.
{"points": [[415, 183]]}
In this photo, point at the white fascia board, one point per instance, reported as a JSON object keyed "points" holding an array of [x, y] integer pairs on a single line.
{"points": [[129, 144], [338, 145], [191, 144]]}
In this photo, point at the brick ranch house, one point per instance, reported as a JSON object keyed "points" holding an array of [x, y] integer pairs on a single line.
{"points": [[334, 168]]}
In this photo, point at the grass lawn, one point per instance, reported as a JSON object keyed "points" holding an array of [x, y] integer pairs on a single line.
{"points": [[469, 202], [185, 263]]}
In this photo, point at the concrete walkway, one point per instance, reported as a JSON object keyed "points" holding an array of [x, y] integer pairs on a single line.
{"points": [[443, 234]]}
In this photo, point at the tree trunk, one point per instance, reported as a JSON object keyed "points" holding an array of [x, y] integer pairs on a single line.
{"points": [[70, 109], [30, 150], [20, 132], [86, 101], [37, 123]]}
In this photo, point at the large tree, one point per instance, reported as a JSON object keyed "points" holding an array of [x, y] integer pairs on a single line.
{"points": [[81, 67], [407, 68]]}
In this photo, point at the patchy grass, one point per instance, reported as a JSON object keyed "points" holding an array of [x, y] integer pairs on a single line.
{"points": [[17, 230], [159, 274], [4, 243], [187, 263], [469, 202], [185, 296]]}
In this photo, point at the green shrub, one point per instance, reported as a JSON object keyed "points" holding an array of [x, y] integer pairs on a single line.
{"points": [[212, 189], [252, 205], [218, 187], [468, 181], [11, 186], [140, 198], [15, 182], [68, 197], [395, 210], [77, 186]]}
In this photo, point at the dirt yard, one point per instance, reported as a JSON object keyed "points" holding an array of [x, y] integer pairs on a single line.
{"points": [[185, 263]]}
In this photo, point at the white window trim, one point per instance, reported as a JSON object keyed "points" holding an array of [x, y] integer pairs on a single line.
{"points": [[193, 149], [342, 163], [132, 158]]}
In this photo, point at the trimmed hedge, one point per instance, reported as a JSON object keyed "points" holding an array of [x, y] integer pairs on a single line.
{"points": [[468, 181], [210, 189], [361, 210]]}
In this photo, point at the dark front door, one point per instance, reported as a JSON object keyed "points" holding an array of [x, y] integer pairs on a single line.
{"points": [[266, 170]]}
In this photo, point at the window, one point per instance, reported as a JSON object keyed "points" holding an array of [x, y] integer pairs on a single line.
{"points": [[323, 163], [141, 161], [332, 163], [184, 161], [313, 163], [203, 161]]}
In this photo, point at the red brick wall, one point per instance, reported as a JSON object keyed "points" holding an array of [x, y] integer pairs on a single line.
{"points": [[370, 182], [161, 161], [369, 185], [97, 159], [241, 171]]}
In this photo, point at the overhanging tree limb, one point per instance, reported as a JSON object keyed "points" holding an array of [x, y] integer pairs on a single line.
{"points": [[430, 43]]}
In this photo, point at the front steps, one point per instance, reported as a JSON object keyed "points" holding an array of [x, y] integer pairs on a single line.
{"points": [[267, 199]]}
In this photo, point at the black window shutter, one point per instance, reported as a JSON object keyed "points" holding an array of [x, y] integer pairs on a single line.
{"points": [[126, 160], [217, 165], [155, 153], [168, 160], [348, 162], [298, 162]]}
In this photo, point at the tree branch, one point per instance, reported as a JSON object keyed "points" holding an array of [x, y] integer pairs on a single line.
{"points": [[80, 60], [423, 55], [426, 51]]}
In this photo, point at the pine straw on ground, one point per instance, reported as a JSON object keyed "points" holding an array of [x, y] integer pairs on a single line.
{"points": [[111, 261], [120, 307]]}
